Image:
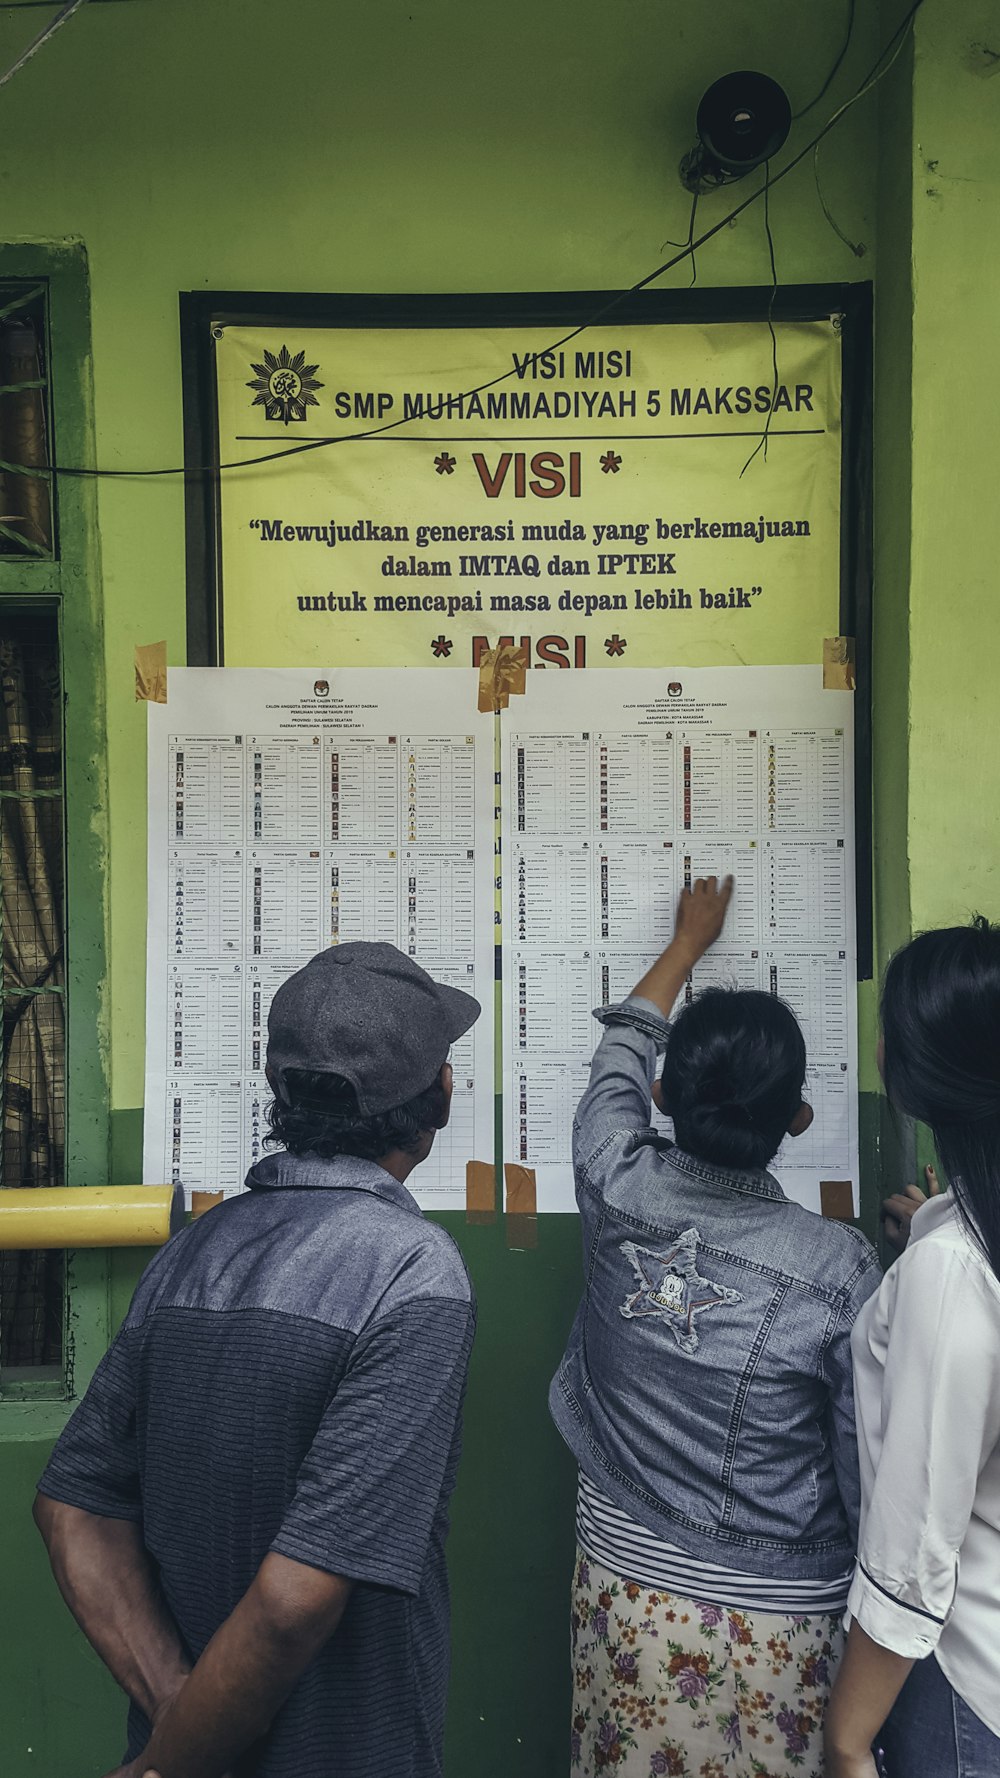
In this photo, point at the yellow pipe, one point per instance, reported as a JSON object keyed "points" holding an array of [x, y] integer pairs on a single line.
{"points": [[90, 1216]]}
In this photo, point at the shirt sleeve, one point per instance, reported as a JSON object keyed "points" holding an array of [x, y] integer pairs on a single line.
{"points": [[371, 1484], [940, 1420], [95, 1463], [838, 1371], [622, 1073]]}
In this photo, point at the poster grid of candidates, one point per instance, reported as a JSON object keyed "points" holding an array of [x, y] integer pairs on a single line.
{"points": [[617, 791], [289, 812]]}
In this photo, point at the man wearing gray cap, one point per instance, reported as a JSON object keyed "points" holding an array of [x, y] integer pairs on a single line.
{"points": [[247, 1512]]}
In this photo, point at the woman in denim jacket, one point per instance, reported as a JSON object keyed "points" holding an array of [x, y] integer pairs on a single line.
{"points": [[706, 1393]]}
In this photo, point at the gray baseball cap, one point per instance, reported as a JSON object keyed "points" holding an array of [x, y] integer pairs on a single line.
{"points": [[371, 1014]]}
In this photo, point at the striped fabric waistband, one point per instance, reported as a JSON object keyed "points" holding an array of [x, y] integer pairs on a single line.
{"points": [[610, 1536]]}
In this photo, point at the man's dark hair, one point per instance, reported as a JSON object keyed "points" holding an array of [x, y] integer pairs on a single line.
{"points": [[322, 1118], [733, 1073]]}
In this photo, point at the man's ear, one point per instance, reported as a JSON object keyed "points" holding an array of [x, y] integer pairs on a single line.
{"points": [[447, 1081], [801, 1121], [656, 1094]]}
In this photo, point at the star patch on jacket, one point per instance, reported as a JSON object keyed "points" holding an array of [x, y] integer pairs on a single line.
{"points": [[671, 1287]]}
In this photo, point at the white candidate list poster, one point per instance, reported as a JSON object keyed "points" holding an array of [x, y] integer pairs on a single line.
{"points": [[289, 811], [617, 789]]}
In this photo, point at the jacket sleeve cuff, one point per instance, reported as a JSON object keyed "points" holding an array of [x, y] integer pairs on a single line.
{"points": [[641, 1014], [908, 1630]]}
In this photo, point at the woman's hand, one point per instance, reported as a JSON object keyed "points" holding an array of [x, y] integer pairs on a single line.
{"points": [[701, 915], [869, 1680], [899, 1210], [847, 1765]]}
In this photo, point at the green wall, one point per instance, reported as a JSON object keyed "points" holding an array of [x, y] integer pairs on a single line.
{"points": [[435, 145], [954, 608]]}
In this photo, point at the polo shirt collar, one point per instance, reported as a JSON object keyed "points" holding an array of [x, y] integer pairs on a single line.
{"points": [[347, 1172]]}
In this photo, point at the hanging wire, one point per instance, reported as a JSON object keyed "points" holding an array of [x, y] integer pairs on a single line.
{"points": [[867, 84], [893, 49], [62, 18], [857, 248], [690, 240], [761, 444], [688, 244], [193, 472], [845, 46]]}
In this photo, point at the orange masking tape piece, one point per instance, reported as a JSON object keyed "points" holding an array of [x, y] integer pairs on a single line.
{"points": [[480, 1191], [836, 1199], [521, 1196], [501, 676], [838, 663], [151, 673], [202, 1201]]}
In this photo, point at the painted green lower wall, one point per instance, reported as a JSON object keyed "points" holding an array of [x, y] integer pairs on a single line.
{"points": [[59, 1710]]}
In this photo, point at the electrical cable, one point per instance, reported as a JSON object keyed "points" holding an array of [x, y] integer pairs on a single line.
{"points": [[762, 441], [845, 46], [211, 470], [62, 17], [866, 86], [690, 240], [687, 242], [857, 247], [876, 73]]}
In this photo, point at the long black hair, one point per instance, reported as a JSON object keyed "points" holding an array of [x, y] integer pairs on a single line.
{"points": [[732, 1079], [941, 1036]]}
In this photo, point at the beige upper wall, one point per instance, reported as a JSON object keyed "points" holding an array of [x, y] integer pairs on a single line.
{"points": [[398, 145]]}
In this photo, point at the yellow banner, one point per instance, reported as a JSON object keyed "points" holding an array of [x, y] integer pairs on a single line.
{"points": [[610, 502]]}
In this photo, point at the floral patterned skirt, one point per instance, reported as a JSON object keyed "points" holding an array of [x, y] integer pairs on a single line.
{"points": [[665, 1685]]}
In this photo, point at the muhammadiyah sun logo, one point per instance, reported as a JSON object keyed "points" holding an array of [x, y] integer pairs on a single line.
{"points": [[284, 386]]}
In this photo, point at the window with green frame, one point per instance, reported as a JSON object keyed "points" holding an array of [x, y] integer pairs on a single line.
{"points": [[53, 1090]]}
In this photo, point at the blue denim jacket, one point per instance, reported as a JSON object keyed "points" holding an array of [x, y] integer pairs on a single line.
{"points": [[707, 1382]]}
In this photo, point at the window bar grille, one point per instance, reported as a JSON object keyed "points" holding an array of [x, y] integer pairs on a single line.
{"points": [[32, 1150], [25, 432]]}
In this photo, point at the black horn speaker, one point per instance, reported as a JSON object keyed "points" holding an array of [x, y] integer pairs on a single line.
{"points": [[743, 119]]}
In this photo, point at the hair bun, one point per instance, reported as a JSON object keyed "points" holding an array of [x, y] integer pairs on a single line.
{"points": [[732, 1076], [736, 1111]]}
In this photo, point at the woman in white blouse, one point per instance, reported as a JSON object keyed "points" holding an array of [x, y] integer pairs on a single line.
{"points": [[921, 1674]]}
